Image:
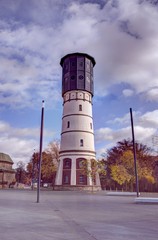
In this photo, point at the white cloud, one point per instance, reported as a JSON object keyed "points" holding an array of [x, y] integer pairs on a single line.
{"points": [[149, 119], [107, 134], [127, 92], [103, 134], [18, 149], [10, 131], [126, 119], [145, 127], [29, 52], [20, 143], [110, 137], [152, 94]]}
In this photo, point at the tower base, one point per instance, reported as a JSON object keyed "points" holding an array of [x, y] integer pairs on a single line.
{"points": [[91, 188]]}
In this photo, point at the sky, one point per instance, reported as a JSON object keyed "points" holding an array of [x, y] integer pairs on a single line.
{"points": [[121, 35]]}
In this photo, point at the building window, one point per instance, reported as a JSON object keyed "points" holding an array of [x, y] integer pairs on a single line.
{"points": [[90, 125], [81, 179], [81, 163], [67, 163], [68, 124], [72, 77], [80, 107], [81, 142], [66, 179]]}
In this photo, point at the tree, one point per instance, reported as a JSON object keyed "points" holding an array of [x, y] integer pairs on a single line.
{"points": [[53, 149], [120, 165], [123, 170], [21, 175], [93, 168], [32, 168], [120, 174], [115, 152], [48, 168]]}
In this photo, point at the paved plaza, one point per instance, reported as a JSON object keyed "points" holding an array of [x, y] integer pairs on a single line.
{"points": [[75, 216]]}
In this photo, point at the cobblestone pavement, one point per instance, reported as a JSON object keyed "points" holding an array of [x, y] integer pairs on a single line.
{"points": [[75, 215]]}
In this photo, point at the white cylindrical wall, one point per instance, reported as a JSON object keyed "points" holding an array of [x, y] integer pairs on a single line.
{"points": [[77, 135], [77, 122]]}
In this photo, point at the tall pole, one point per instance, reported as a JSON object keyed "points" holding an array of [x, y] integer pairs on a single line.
{"points": [[33, 169], [40, 153], [134, 154]]}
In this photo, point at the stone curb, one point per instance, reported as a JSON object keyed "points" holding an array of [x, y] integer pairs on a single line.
{"points": [[146, 200]]}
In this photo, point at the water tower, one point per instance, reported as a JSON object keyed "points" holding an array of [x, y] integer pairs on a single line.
{"points": [[77, 135]]}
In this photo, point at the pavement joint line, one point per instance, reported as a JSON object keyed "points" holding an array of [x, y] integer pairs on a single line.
{"points": [[69, 221], [78, 228]]}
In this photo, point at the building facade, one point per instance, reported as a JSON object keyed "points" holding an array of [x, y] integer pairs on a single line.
{"points": [[77, 135], [7, 174]]}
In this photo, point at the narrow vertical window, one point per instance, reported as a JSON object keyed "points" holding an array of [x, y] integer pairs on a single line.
{"points": [[90, 125], [80, 107], [66, 179], [81, 142], [81, 179], [68, 124]]}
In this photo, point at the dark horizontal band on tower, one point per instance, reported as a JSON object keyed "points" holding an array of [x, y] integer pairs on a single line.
{"points": [[80, 151], [76, 99], [7, 170], [77, 131], [9, 163], [77, 114]]}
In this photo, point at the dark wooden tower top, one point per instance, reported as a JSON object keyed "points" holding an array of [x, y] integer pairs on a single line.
{"points": [[77, 72]]}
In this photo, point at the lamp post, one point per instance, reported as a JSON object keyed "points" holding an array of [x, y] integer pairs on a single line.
{"points": [[134, 154], [40, 153]]}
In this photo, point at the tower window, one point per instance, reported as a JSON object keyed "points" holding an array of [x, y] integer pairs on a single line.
{"points": [[67, 163], [81, 142], [72, 82], [80, 107], [66, 179], [81, 77], [90, 125], [68, 124], [72, 77], [81, 179]]}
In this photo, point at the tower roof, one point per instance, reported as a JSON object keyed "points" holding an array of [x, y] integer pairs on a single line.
{"points": [[78, 54], [5, 158]]}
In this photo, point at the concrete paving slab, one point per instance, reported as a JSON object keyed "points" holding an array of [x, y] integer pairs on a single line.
{"points": [[74, 215]]}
